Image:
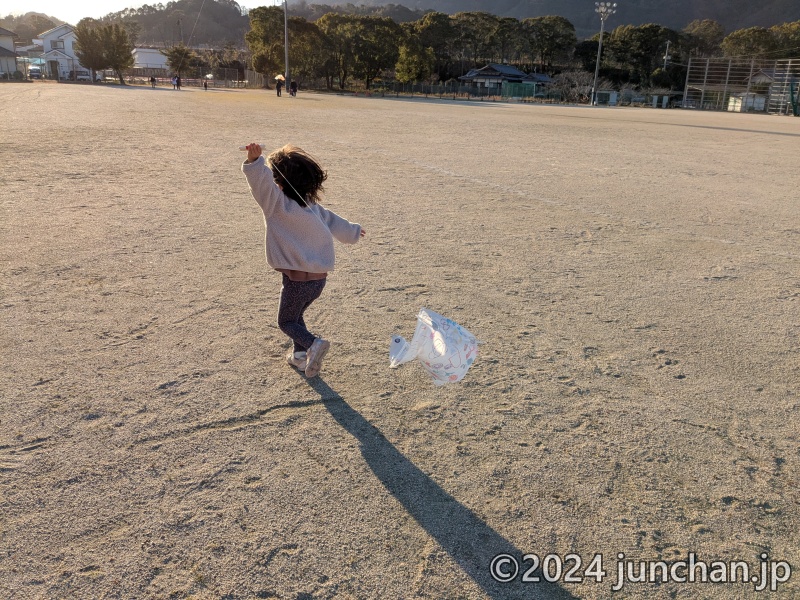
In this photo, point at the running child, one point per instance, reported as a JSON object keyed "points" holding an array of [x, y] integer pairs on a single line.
{"points": [[299, 240]]}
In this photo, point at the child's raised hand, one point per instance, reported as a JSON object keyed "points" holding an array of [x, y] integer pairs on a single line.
{"points": [[253, 151]]}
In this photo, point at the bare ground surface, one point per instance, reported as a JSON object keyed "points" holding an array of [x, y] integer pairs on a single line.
{"points": [[633, 274]]}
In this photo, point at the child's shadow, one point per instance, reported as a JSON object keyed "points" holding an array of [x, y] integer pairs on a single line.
{"points": [[470, 542]]}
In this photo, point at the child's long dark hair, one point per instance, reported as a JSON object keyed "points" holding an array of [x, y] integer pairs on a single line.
{"points": [[298, 173]]}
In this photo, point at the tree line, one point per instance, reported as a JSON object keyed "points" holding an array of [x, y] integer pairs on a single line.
{"points": [[340, 48]]}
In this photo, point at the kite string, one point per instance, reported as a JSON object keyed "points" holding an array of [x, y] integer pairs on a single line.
{"points": [[199, 12], [286, 179]]}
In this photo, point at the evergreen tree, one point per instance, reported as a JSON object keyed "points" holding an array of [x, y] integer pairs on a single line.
{"points": [[703, 38], [340, 32], [787, 39], [90, 46], [753, 42], [179, 57], [415, 63], [435, 31], [119, 49], [550, 38], [376, 47], [266, 39]]}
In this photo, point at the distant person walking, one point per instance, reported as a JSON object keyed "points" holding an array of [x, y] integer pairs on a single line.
{"points": [[293, 88], [178, 81], [152, 82], [279, 87], [205, 84], [174, 82]]}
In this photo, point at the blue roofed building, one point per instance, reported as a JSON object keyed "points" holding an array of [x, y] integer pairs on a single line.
{"points": [[494, 76]]}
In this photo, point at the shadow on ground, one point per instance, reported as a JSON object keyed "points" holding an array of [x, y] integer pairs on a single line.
{"points": [[469, 541]]}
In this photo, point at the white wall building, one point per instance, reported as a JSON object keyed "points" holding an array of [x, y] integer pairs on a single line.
{"points": [[59, 53], [149, 58], [8, 57]]}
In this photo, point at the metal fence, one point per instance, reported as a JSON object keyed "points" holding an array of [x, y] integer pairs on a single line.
{"points": [[453, 91], [254, 79], [752, 85], [192, 77]]}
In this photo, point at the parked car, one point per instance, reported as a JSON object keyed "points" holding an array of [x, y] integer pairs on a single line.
{"points": [[34, 73], [80, 76]]}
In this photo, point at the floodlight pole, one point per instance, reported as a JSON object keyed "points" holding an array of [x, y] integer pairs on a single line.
{"points": [[605, 10], [286, 38]]}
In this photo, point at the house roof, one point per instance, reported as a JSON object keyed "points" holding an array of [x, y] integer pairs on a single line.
{"points": [[495, 70], [54, 29], [771, 76], [540, 77], [764, 75], [7, 52], [7, 32], [55, 54], [505, 72]]}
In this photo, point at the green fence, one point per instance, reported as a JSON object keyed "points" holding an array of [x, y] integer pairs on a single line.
{"points": [[523, 90]]}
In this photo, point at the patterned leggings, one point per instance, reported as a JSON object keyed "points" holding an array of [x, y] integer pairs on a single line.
{"points": [[296, 297]]}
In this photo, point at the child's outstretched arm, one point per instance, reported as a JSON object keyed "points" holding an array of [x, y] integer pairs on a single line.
{"points": [[342, 229], [259, 177]]}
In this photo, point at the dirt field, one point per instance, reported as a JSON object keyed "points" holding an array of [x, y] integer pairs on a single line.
{"points": [[632, 273]]}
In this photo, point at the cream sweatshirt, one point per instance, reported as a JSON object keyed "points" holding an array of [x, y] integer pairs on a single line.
{"points": [[297, 238]]}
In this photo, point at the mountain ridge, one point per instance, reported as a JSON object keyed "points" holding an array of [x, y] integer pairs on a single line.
{"points": [[677, 14], [222, 21]]}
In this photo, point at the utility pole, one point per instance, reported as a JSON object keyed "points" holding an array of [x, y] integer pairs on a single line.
{"points": [[666, 56]]}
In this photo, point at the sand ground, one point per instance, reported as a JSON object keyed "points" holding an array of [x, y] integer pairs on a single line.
{"points": [[632, 273]]}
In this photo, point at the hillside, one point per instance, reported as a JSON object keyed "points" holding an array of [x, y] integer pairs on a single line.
{"points": [[29, 25], [224, 21], [218, 23], [676, 14]]}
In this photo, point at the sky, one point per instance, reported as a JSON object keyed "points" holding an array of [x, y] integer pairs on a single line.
{"points": [[70, 11], [73, 11]]}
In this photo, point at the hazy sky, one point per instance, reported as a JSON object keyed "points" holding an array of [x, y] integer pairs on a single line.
{"points": [[70, 11], [73, 11]]}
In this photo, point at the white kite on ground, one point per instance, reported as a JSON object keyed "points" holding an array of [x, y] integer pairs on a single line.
{"points": [[445, 349]]}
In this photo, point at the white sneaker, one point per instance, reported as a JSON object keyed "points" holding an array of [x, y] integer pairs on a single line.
{"points": [[297, 360], [316, 353]]}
